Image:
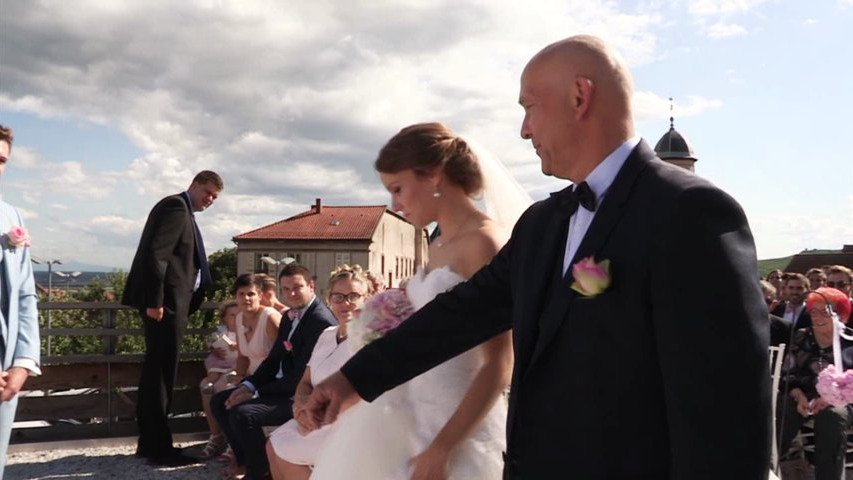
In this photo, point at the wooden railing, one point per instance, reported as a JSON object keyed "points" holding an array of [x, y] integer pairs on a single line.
{"points": [[94, 395]]}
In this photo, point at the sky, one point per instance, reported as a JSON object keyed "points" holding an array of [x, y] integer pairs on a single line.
{"points": [[117, 104]]}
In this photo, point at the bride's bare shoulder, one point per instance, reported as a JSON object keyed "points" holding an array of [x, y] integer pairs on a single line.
{"points": [[478, 248]]}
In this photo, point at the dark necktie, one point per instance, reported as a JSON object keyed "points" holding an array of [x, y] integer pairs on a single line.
{"points": [[571, 197], [203, 267]]}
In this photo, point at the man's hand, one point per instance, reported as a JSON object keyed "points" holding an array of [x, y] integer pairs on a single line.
{"points": [[11, 382], [239, 395], [154, 313], [329, 398]]}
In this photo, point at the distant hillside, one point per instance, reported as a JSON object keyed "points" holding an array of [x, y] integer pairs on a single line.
{"points": [[72, 266], [770, 264]]}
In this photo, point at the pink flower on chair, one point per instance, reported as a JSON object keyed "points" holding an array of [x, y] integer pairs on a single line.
{"points": [[18, 237], [287, 346], [591, 278]]}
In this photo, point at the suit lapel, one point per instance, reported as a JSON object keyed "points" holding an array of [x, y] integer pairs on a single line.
{"points": [[549, 240], [606, 218]]}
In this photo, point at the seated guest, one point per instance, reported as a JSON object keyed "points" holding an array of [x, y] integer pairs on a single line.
{"points": [[264, 398], [793, 309], [840, 277], [257, 329], [257, 324], [268, 294], [780, 329], [220, 361], [809, 353], [775, 279], [290, 449], [817, 278]]}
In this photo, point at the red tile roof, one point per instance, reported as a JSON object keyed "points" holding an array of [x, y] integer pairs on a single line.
{"points": [[332, 223]]}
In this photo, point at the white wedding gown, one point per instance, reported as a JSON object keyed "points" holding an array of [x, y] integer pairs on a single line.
{"points": [[376, 440]]}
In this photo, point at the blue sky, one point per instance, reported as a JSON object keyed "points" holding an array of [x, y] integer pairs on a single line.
{"points": [[115, 105]]}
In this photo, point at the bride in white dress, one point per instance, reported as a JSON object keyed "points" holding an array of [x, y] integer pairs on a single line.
{"points": [[449, 422]]}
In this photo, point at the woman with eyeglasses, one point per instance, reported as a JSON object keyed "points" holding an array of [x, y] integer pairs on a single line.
{"points": [[809, 353], [291, 449]]}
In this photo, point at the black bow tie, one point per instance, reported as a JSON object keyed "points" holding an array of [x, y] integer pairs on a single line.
{"points": [[570, 197]]}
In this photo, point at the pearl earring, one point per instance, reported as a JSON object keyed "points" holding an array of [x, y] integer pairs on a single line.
{"points": [[436, 193]]}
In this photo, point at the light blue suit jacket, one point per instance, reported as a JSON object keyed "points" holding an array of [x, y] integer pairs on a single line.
{"points": [[20, 330]]}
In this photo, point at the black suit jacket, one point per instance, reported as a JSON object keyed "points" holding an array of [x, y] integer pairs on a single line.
{"points": [[804, 320], [165, 266], [316, 318], [780, 331], [632, 383]]}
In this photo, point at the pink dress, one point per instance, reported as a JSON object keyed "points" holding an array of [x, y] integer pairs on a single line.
{"points": [[327, 358], [214, 364], [258, 347]]}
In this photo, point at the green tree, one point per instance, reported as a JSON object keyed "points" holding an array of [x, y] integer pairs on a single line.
{"points": [[223, 271]]}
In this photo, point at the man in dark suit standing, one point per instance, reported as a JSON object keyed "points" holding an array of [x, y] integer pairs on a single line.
{"points": [[265, 397], [166, 284], [644, 361]]}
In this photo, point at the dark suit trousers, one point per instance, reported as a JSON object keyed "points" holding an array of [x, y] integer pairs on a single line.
{"points": [[243, 427], [159, 369]]}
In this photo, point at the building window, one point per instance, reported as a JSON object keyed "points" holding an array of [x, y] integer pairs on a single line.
{"points": [[342, 258], [295, 256], [261, 267]]}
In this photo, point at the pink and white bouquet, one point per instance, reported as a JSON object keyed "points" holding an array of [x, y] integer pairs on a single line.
{"points": [[835, 386], [379, 315]]}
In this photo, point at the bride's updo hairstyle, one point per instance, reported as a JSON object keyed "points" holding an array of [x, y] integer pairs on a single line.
{"points": [[423, 147]]}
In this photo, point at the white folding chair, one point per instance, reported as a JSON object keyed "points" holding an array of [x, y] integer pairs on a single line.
{"points": [[777, 354]]}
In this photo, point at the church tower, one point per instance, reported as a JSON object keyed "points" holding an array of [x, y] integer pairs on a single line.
{"points": [[674, 148]]}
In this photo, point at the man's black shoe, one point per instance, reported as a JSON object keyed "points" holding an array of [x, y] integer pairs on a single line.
{"points": [[173, 460], [140, 453]]}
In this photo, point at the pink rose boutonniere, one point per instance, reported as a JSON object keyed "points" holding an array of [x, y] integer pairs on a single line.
{"points": [[18, 237], [288, 347], [591, 278]]}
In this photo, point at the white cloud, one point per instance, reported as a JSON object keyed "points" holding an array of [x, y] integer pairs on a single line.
{"points": [[28, 214], [115, 225], [291, 101], [650, 106], [722, 7], [725, 30], [25, 158], [812, 21], [783, 235], [73, 179]]}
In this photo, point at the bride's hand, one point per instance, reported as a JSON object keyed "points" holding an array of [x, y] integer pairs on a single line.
{"points": [[431, 464]]}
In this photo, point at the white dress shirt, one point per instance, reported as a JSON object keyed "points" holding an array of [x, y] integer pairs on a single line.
{"points": [[599, 181]]}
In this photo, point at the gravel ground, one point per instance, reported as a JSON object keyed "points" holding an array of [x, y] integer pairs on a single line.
{"points": [[93, 461]]}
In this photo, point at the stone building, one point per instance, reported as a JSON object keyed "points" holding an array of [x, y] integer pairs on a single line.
{"points": [[324, 236]]}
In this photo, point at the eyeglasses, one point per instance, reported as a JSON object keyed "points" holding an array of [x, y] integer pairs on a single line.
{"points": [[841, 284], [351, 297]]}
